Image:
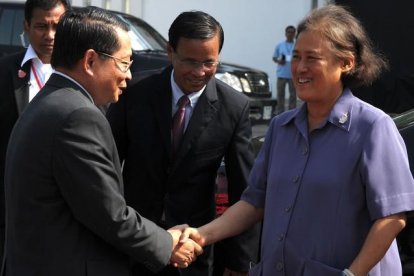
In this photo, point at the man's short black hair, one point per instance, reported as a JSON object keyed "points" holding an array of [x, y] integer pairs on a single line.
{"points": [[30, 5], [194, 25], [290, 27], [83, 29]]}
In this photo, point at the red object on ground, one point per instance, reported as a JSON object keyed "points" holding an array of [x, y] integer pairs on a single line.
{"points": [[222, 198]]}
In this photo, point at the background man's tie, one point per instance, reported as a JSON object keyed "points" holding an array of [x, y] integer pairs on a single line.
{"points": [[178, 123]]}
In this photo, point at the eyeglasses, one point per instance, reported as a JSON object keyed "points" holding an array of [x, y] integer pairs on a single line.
{"points": [[192, 65], [121, 64]]}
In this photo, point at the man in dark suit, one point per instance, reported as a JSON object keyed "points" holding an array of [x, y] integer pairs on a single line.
{"points": [[23, 74], [173, 184], [65, 212]]}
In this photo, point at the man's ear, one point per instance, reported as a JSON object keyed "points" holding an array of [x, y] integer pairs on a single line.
{"points": [[26, 26], [170, 51], [89, 61]]}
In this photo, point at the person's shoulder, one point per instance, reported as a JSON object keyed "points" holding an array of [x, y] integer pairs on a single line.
{"points": [[281, 43], [365, 112], [55, 105], [64, 93], [9, 66], [146, 76], [229, 92], [145, 82], [231, 100], [12, 58]]}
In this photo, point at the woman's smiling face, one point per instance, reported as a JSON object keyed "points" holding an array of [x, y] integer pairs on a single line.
{"points": [[316, 71]]}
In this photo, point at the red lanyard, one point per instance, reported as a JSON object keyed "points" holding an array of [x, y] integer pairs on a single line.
{"points": [[39, 83]]}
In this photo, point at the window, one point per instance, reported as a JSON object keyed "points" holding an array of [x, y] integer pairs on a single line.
{"points": [[11, 26]]}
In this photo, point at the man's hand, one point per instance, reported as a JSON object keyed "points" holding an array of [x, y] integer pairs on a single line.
{"points": [[281, 61], [185, 253]]}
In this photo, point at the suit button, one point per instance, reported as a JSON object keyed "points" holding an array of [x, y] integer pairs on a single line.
{"points": [[295, 179], [279, 266]]}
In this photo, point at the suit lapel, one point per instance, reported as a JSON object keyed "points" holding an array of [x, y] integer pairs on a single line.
{"points": [[21, 78], [206, 108], [161, 102]]}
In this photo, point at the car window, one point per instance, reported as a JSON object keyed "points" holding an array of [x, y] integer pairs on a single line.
{"points": [[11, 26], [143, 37]]}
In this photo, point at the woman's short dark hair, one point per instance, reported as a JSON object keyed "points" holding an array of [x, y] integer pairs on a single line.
{"points": [[83, 29], [30, 5], [346, 37], [194, 25]]}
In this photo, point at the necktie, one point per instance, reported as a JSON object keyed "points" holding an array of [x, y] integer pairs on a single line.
{"points": [[178, 123]]}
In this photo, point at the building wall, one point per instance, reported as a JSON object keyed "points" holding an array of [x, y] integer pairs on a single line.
{"points": [[252, 28]]}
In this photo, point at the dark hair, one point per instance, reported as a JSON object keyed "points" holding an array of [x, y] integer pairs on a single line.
{"points": [[290, 27], [194, 25], [83, 29], [30, 5], [346, 36]]}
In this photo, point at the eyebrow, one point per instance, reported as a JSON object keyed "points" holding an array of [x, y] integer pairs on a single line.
{"points": [[195, 60], [308, 51]]}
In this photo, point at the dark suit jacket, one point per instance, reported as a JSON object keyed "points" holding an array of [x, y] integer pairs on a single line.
{"points": [[65, 213], [185, 187], [14, 96]]}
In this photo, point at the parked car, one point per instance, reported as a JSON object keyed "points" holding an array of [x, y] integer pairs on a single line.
{"points": [[149, 54]]}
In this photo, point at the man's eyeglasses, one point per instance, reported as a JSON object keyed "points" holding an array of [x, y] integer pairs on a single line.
{"points": [[121, 64], [192, 64]]}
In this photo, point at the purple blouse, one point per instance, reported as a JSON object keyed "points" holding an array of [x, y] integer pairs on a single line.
{"points": [[322, 191]]}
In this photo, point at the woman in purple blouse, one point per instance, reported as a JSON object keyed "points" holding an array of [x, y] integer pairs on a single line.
{"points": [[332, 181]]}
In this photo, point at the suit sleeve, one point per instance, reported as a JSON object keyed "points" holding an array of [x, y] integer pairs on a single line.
{"points": [[87, 170], [239, 251], [8, 117]]}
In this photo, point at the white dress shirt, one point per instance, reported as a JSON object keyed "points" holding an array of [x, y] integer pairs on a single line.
{"points": [[39, 72]]}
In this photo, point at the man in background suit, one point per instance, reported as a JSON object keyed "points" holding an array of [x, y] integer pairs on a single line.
{"points": [[23, 74], [65, 212], [177, 186]]}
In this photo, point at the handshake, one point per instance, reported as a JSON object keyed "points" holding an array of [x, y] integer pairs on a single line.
{"points": [[188, 241], [187, 245]]}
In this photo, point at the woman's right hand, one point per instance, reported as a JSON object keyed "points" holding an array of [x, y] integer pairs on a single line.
{"points": [[194, 234]]}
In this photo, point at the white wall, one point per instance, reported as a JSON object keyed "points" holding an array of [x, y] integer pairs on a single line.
{"points": [[251, 28]]}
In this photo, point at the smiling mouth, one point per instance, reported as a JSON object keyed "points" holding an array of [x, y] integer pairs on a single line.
{"points": [[197, 82], [303, 80]]}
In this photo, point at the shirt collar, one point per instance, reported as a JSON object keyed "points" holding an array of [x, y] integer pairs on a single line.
{"points": [[30, 54], [340, 115], [71, 79]]}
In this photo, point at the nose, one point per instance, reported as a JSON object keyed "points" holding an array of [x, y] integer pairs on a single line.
{"points": [[199, 70], [50, 33], [128, 75], [301, 66]]}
